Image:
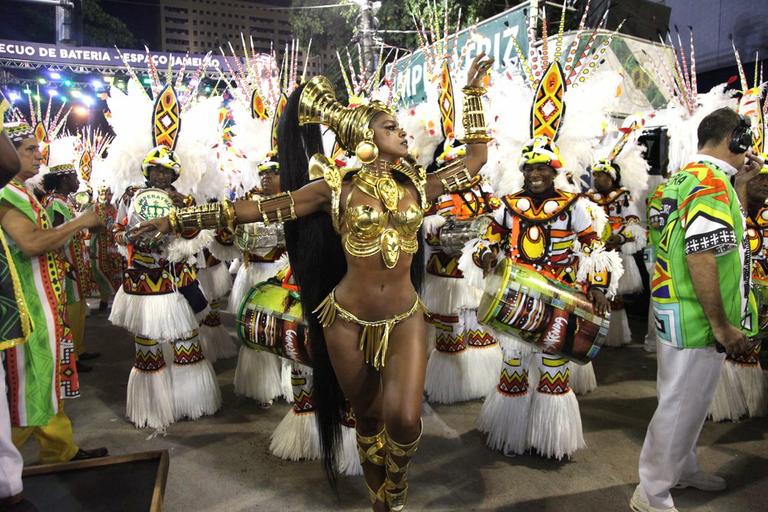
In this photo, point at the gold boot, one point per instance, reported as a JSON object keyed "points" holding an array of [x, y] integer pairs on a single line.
{"points": [[396, 489], [371, 450]]}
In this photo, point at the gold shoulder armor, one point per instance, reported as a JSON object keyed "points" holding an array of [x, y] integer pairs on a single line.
{"points": [[320, 166]]}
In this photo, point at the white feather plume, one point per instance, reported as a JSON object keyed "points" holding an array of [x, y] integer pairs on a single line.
{"points": [[634, 170], [682, 128], [131, 119], [422, 124]]}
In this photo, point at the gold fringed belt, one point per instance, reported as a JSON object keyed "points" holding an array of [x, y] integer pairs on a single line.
{"points": [[374, 340]]}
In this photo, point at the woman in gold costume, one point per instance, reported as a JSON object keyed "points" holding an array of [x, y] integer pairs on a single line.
{"points": [[367, 332]]}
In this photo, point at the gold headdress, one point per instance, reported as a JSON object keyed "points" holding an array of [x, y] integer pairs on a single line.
{"points": [[318, 105]]}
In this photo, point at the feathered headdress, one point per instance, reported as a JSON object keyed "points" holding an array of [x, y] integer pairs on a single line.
{"points": [[258, 101], [749, 104], [182, 127], [528, 106], [45, 127], [93, 145], [687, 106], [624, 161]]}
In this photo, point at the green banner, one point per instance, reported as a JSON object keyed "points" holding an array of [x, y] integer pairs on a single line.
{"points": [[494, 36], [634, 70]]}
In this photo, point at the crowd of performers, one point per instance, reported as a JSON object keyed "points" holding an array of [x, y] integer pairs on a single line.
{"points": [[374, 255]]}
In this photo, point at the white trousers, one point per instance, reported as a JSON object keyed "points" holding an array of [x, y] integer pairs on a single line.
{"points": [[11, 462], [685, 383]]}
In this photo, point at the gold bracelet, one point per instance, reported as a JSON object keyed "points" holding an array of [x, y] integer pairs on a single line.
{"points": [[277, 208], [173, 220], [230, 218], [470, 90], [473, 119], [454, 176], [204, 216]]}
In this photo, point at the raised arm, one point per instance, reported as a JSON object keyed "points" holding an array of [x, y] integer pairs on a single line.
{"points": [[458, 174], [34, 241]]}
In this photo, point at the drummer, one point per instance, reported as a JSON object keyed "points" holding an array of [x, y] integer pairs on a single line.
{"points": [[538, 227], [261, 375], [60, 182], [154, 290]]}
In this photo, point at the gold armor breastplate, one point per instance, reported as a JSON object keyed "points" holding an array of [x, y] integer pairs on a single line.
{"points": [[367, 230], [383, 228]]}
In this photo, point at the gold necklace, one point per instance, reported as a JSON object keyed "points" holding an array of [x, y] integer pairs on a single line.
{"points": [[377, 181]]}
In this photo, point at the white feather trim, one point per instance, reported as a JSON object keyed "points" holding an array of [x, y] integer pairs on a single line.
{"points": [[473, 276], [618, 330], [631, 281], [217, 343], [483, 367], [682, 128], [432, 223], [505, 419], [728, 402], [296, 437], [181, 249], [639, 238], [258, 375], [596, 213], [445, 377], [149, 400], [600, 260], [554, 425], [162, 318], [215, 281], [583, 380], [224, 252], [195, 390], [634, 170], [348, 458], [754, 385], [422, 124]]}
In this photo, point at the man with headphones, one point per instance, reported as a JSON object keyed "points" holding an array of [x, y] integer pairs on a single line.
{"points": [[701, 303]]}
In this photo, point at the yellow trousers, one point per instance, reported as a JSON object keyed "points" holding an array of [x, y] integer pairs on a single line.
{"points": [[56, 441], [76, 313]]}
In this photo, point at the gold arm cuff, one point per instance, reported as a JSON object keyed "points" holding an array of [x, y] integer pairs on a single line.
{"points": [[454, 176], [468, 90], [204, 216], [277, 208], [473, 119], [173, 220]]}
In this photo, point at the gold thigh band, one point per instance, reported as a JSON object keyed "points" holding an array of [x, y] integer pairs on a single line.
{"points": [[374, 340]]}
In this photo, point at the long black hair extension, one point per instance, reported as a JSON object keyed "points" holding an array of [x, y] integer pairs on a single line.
{"points": [[318, 262]]}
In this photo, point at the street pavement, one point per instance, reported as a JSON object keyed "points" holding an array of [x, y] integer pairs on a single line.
{"points": [[222, 463]]}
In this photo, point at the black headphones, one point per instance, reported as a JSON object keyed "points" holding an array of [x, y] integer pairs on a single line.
{"points": [[741, 138]]}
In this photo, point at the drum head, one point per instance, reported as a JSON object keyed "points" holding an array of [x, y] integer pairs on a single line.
{"points": [[82, 199], [151, 203]]}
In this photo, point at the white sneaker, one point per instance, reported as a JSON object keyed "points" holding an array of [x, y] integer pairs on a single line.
{"points": [[639, 503], [703, 482]]}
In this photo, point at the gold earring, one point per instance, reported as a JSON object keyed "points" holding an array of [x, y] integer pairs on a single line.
{"points": [[366, 151]]}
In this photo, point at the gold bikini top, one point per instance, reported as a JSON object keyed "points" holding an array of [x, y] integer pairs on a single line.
{"points": [[367, 229]]}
